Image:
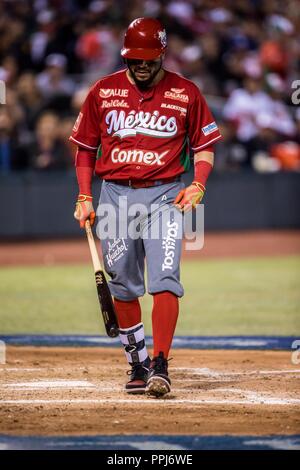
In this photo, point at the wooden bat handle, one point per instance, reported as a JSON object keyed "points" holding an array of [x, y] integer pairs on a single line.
{"points": [[93, 249]]}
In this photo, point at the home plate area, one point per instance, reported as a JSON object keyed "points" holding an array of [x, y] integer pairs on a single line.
{"points": [[62, 396]]}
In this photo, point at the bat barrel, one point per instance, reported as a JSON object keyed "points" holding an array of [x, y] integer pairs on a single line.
{"points": [[104, 295]]}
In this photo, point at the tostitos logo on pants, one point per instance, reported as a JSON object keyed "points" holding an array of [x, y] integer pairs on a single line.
{"points": [[169, 246], [138, 156]]}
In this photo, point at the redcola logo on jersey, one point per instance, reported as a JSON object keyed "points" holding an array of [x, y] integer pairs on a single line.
{"points": [[114, 104], [121, 125]]}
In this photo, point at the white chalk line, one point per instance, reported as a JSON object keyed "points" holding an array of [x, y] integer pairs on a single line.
{"points": [[263, 398], [255, 400], [246, 396], [214, 373], [192, 370], [250, 395], [20, 369], [50, 384], [45, 369]]}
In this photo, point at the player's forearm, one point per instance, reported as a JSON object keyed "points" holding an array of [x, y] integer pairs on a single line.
{"points": [[85, 164], [203, 164]]}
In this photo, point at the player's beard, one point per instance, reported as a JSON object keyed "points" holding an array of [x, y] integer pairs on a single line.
{"points": [[145, 83]]}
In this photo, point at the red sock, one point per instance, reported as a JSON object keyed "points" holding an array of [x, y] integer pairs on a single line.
{"points": [[128, 312], [164, 319]]}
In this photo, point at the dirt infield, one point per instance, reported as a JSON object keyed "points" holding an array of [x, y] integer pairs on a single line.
{"points": [[77, 391], [217, 245]]}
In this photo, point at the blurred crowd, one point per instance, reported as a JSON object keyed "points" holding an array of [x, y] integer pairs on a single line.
{"points": [[243, 54]]}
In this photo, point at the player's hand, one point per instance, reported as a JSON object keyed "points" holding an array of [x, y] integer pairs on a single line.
{"points": [[189, 197], [84, 210]]}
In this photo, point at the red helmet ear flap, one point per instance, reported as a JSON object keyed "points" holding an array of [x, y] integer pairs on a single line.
{"points": [[145, 39]]}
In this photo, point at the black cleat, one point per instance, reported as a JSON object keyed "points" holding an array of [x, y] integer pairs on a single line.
{"points": [[158, 383], [138, 377]]}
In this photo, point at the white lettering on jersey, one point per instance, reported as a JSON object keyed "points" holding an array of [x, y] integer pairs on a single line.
{"points": [[137, 156], [114, 104], [212, 127], [140, 122], [183, 111], [108, 92], [174, 95]]}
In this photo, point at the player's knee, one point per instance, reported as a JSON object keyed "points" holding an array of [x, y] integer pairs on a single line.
{"points": [[171, 285], [126, 291]]}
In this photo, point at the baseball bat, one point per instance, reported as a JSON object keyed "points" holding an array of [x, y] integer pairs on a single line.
{"points": [[105, 299]]}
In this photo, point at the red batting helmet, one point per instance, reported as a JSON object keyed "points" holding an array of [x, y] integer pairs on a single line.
{"points": [[145, 39]]}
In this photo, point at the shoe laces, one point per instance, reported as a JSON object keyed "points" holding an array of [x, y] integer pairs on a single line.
{"points": [[160, 363], [135, 368]]}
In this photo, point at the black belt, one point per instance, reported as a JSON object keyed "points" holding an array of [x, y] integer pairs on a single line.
{"points": [[136, 184]]}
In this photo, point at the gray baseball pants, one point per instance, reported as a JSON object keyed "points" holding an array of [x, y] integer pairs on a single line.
{"points": [[138, 225]]}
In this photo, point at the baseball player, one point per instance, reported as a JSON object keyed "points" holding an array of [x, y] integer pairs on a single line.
{"points": [[134, 132]]}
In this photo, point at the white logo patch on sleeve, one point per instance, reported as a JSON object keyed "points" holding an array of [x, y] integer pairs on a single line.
{"points": [[212, 127], [77, 122]]}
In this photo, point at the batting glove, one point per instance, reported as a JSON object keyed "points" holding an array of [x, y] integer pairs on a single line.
{"points": [[190, 197], [84, 210]]}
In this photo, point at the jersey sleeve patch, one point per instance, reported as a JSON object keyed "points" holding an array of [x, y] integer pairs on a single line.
{"points": [[209, 128], [77, 122]]}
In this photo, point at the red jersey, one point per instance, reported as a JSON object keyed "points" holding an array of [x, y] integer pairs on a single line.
{"points": [[144, 134]]}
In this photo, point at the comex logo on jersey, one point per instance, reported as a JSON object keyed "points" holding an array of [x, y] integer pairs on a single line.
{"points": [[138, 156]]}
